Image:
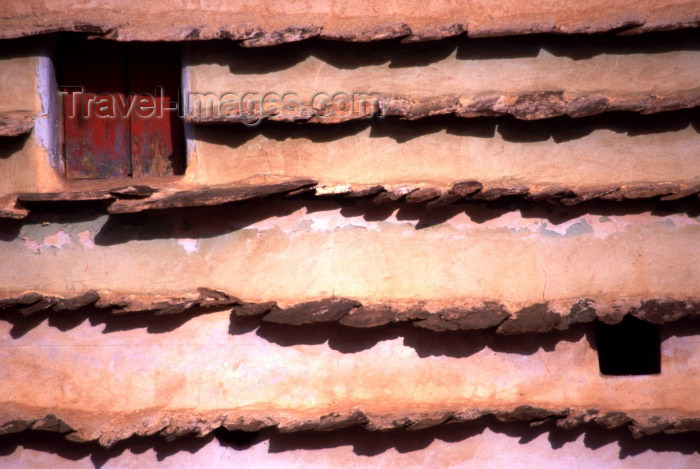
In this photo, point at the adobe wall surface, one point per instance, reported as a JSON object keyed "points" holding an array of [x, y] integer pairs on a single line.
{"points": [[257, 252], [619, 66], [440, 153], [216, 370], [19, 159], [431, 80], [417, 289], [607, 149], [18, 80]]}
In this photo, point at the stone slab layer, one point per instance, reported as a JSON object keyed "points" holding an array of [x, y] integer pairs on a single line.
{"points": [[262, 23], [478, 445]]}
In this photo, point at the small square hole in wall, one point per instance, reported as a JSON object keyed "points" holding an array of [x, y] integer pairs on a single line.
{"points": [[632, 347], [118, 105]]}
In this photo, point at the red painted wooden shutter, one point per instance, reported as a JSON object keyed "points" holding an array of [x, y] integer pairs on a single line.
{"points": [[96, 144], [156, 141], [133, 128]]}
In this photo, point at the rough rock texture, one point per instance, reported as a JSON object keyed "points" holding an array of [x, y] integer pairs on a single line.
{"points": [[208, 196], [475, 315], [528, 78], [346, 20], [138, 198], [478, 445], [13, 123], [205, 374], [28, 303], [10, 210], [541, 105], [133, 199], [67, 196]]}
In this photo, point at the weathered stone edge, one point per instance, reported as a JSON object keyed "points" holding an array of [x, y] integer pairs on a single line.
{"points": [[32, 302], [140, 198], [15, 123], [525, 106], [233, 27], [173, 424], [537, 317]]}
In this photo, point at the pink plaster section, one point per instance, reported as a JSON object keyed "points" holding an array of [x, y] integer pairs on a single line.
{"points": [[30, 244], [350, 449], [140, 381], [85, 238], [58, 240]]}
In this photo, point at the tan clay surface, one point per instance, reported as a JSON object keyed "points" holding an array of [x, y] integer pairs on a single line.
{"points": [[298, 251], [446, 151], [199, 376]]}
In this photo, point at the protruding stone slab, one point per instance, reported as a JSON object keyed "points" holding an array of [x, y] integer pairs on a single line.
{"points": [[475, 315], [530, 78], [207, 196], [14, 123], [343, 20], [328, 310]]}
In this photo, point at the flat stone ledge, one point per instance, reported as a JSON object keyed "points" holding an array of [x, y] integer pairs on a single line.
{"points": [[172, 425], [346, 21], [141, 198], [539, 317], [524, 106], [15, 123]]}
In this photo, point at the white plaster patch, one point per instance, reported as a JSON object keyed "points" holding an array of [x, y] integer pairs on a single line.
{"points": [[189, 130], [287, 223], [321, 221], [561, 228], [188, 244], [599, 227], [682, 220], [46, 123]]}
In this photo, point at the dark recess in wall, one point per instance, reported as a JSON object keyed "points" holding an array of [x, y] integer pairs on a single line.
{"points": [[632, 347]]}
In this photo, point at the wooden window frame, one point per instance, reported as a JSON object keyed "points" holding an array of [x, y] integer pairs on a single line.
{"points": [[157, 157]]}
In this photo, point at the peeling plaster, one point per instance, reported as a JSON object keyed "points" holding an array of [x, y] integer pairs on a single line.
{"points": [[47, 122], [185, 87], [85, 238], [58, 240], [188, 244], [514, 221]]}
